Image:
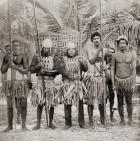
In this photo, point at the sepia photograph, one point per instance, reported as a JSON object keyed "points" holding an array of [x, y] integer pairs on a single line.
{"points": [[69, 70]]}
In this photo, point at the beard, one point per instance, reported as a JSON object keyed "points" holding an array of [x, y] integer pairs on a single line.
{"points": [[71, 55], [45, 53], [123, 49]]}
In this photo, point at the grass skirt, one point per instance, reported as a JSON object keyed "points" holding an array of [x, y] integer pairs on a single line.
{"points": [[124, 85], [21, 88], [72, 92], [47, 97], [94, 85]]}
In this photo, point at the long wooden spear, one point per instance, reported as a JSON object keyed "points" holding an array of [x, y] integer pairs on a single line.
{"points": [[12, 71], [43, 81], [36, 28], [103, 74]]}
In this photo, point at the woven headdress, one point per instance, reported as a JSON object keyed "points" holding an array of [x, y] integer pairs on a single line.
{"points": [[47, 43], [70, 44], [122, 37]]}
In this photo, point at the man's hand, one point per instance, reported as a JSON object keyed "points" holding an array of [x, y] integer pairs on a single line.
{"points": [[81, 59], [21, 70], [9, 58], [76, 77], [133, 87], [100, 47], [104, 67], [42, 71], [113, 87], [40, 64], [12, 65], [73, 76]]}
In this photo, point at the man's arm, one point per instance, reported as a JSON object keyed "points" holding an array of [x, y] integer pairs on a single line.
{"points": [[25, 63], [24, 69], [5, 65], [21, 70], [133, 67], [113, 67], [35, 64], [83, 64]]}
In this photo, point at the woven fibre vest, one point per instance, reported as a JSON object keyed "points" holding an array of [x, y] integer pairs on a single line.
{"points": [[72, 64], [48, 62]]}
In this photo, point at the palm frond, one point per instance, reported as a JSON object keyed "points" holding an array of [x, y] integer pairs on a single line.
{"points": [[52, 22]]}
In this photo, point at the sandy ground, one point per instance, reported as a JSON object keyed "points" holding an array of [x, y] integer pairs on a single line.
{"points": [[112, 132]]}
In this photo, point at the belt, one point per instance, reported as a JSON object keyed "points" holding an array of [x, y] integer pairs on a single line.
{"points": [[125, 77], [46, 77], [93, 74]]}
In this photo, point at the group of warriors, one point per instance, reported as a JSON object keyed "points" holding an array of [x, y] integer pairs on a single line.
{"points": [[70, 79]]}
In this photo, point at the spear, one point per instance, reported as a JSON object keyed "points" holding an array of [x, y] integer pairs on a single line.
{"points": [[104, 89], [12, 71], [38, 45], [36, 28]]}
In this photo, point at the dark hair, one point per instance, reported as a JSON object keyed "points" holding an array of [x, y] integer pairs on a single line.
{"points": [[7, 45], [95, 34], [108, 56], [15, 41], [122, 39]]}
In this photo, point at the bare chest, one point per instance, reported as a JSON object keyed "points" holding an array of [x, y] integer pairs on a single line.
{"points": [[99, 57], [18, 60], [124, 58]]}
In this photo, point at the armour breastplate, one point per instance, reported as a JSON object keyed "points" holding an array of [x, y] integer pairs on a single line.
{"points": [[72, 64], [48, 62]]}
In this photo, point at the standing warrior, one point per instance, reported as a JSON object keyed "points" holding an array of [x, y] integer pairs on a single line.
{"points": [[44, 66], [123, 77], [94, 78], [18, 63], [73, 88], [8, 51]]}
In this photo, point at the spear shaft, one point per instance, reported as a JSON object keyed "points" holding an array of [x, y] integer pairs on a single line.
{"points": [[12, 71], [36, 27], [9, 23], [104, 88]]}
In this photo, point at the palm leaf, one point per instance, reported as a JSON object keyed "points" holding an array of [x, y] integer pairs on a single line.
{"points": [[52, 22]]}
